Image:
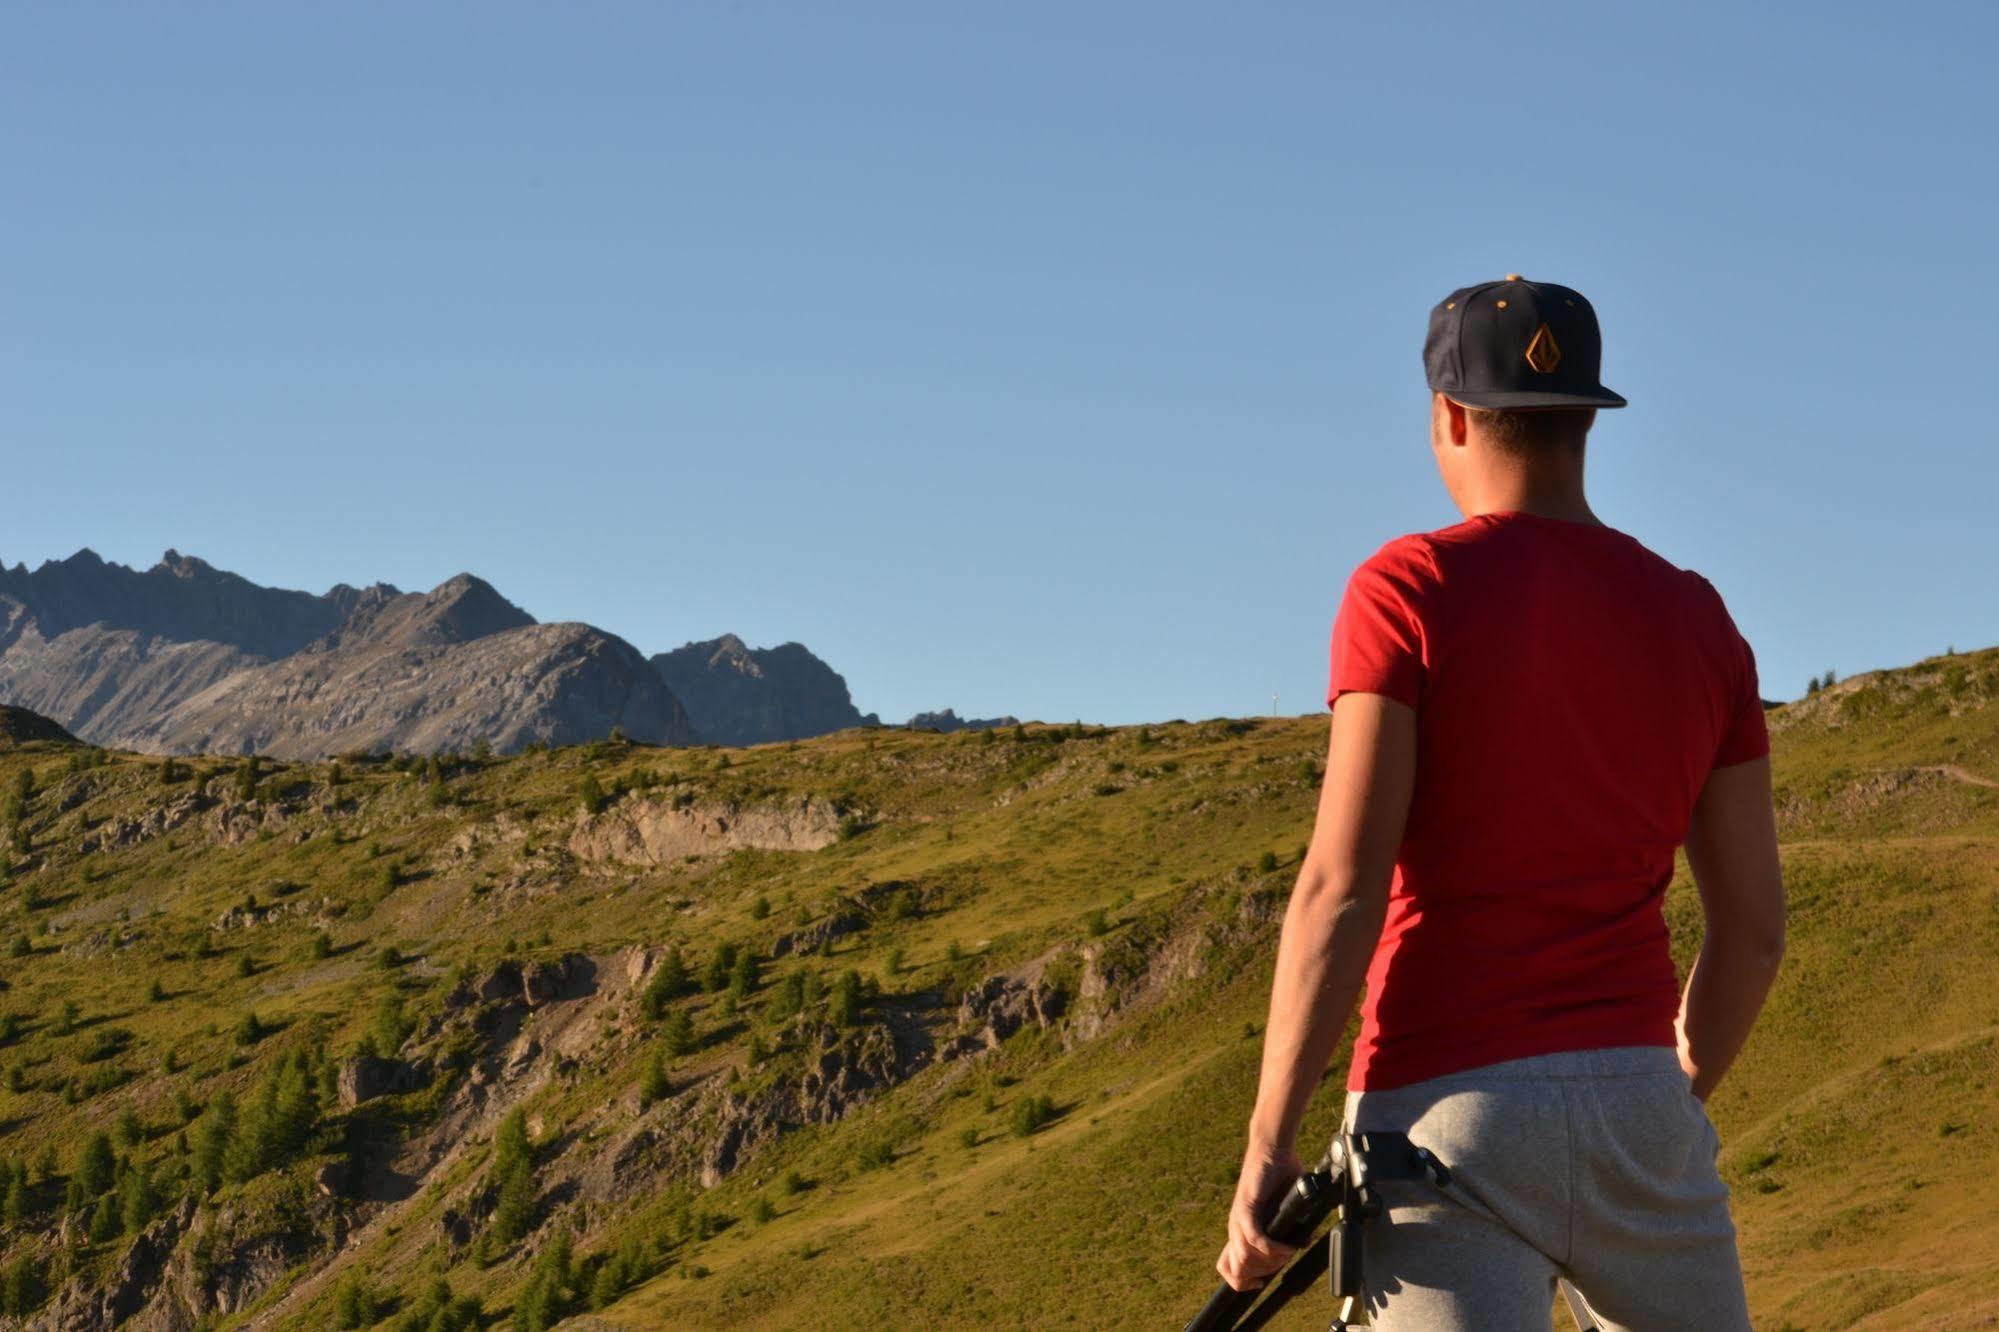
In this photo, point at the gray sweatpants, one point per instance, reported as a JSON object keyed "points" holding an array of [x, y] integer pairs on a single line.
{"points": [[1595, 1165]]}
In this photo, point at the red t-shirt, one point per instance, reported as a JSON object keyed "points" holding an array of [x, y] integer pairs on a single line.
{"points": [[1572, 692]]}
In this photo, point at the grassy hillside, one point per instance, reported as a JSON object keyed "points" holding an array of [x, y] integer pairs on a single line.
{"points": [[988, 1058]]}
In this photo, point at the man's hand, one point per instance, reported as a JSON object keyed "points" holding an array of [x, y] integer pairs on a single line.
{"points": [[1251, 1255], [1330, 929]]}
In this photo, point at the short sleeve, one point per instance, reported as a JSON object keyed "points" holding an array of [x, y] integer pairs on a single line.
{"points": [[1746, 735], [1379, 640]]}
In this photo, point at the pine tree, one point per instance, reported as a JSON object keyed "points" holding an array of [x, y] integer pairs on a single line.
{"points": [[279, 1122], [788, 999], [716, 978], [130, 1132], [390, 1027], [513, 1174], [843, 1006], [103, 1225], [607, 1285], [744, 975], [353, 1303], [212, 1134], [138, 1198], [668, 983], [96, 1169], [22, 1290], [545, 1298], [677, 1036], [653, 1084], [17, 1205]]}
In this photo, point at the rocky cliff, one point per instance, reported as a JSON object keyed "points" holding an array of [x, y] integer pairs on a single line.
{"points": [[739, 695], [185, 658]]}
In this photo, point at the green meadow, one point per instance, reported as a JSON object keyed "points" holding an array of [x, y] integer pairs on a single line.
{"points": [[882, 1029]]}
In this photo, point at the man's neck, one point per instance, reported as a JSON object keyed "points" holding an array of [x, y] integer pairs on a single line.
{"points": [[1508, 485], [1569, 505]]}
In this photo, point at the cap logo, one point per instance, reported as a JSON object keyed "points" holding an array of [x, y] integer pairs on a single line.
{"points": [[1543, 353]]}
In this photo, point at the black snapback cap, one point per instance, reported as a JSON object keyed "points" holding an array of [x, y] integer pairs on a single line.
{"points": [[1517, 344]]}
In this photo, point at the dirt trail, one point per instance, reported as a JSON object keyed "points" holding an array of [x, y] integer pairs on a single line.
{"points": [[1961, 774], [1838, 1083]]}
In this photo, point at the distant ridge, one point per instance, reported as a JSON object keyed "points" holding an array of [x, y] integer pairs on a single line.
{"points": [[19, 726], [185, 658]]}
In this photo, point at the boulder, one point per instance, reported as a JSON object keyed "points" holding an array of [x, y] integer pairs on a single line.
{"points": [[365, 1077]]}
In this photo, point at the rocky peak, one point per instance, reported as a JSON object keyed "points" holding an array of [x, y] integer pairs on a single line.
{"points": [[459, 610], [465, 607], [738, 695], [181, 600]]}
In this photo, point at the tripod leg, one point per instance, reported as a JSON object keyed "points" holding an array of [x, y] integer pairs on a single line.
{"points": [[1578, 1309]]}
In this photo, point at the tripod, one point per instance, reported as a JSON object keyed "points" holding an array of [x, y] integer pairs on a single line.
{"points": [[1340, 1186]]}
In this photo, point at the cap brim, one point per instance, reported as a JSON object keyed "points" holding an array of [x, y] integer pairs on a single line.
{"points": [[1527, 399]]}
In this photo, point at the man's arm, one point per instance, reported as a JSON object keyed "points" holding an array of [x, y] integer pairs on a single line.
{"points": [[1330, 930], [1732, 850]]}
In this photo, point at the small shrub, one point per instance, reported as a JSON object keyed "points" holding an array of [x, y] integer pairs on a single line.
{"points": [[1031, 1114]]}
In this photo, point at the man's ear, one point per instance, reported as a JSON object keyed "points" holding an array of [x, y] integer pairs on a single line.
{"points": [[1448, 422]]}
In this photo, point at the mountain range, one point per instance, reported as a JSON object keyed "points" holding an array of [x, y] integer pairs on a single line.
{"points": [[186, 658]]}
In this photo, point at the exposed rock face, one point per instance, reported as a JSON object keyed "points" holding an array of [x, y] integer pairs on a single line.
{"points": [[847, 1069], [554, 683], [181, 599], [364, 1077], [948, 720], [739, 695], [638, 831], [185, 658], [104, 682], [1002, 1005]]}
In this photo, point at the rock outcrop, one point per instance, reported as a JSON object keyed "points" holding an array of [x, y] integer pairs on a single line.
{"points": [[642, 831], [362, 1078], [948, 720], [739, 695]]}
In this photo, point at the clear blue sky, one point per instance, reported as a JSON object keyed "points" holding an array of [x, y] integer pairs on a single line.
{"points": [[1056, 359]]}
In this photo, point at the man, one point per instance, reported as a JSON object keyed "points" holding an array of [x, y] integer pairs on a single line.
{"points": [[1530, 712]]}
